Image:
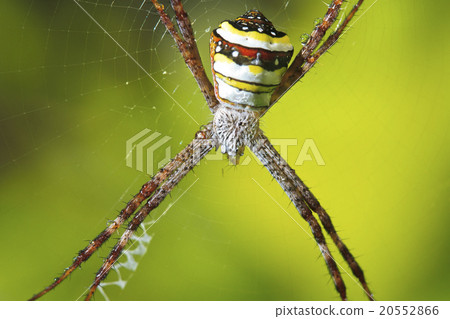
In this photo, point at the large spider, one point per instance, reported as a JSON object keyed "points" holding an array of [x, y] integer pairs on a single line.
{"points": [[249, 60]]}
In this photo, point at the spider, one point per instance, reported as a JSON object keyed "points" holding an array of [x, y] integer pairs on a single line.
{"points": [[251, 71]]}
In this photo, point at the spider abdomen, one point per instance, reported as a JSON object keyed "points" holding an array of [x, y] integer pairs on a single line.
{"points": [[248, 59]]}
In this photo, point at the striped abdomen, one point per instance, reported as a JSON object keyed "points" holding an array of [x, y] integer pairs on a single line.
{"points": [[248, 59]]}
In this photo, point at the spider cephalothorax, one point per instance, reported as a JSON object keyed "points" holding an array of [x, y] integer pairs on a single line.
{"points": [[233, 129], [248, 59]]}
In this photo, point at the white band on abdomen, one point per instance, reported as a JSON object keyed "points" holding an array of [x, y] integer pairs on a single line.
{"points": [[249, 73], [234, 95], [230, 34]]}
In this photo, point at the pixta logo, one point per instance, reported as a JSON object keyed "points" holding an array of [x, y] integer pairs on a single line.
{"points": [[141, 150], [144, 152], [308, 152]]}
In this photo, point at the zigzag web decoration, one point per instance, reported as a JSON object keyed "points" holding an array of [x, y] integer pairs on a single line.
{"points": [[133, 256]]}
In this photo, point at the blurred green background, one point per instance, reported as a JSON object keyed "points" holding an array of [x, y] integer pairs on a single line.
{"points": [[377, 108]]}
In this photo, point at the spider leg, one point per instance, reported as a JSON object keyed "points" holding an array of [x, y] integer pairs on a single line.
{"points": [[262, 148], [197, 150], [146, 190], [184, 24], [332, 39], [188, 48], [325, 219], [306, 59]]}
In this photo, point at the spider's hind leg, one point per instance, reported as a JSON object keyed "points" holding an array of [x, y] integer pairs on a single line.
{"points": [[308, 56], [188, 48]]}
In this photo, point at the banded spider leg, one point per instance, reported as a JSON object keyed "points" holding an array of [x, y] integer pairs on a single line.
{"points": [[178, 162], [196, 150], [306, 58], [305, 202], [188, 48]]}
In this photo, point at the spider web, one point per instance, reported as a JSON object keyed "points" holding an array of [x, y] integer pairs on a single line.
{"points": [[92, 74], [140, 249]]}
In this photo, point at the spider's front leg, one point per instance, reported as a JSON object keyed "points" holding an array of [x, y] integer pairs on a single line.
{"points": [[146, 190], [195, 151], [305, 201], [260, 147], [325, 219]]}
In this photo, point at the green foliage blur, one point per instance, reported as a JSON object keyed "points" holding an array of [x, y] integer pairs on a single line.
{"points": [[376, 107]]}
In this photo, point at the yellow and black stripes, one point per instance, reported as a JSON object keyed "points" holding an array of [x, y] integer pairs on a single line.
{"points": [[248, 57]]}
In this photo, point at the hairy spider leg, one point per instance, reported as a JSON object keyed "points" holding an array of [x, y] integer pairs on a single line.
{"points": [[196, 151], [188, 48], [146, 190], [314, 205], [261, 147], [332, 39], [306, 58]]}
